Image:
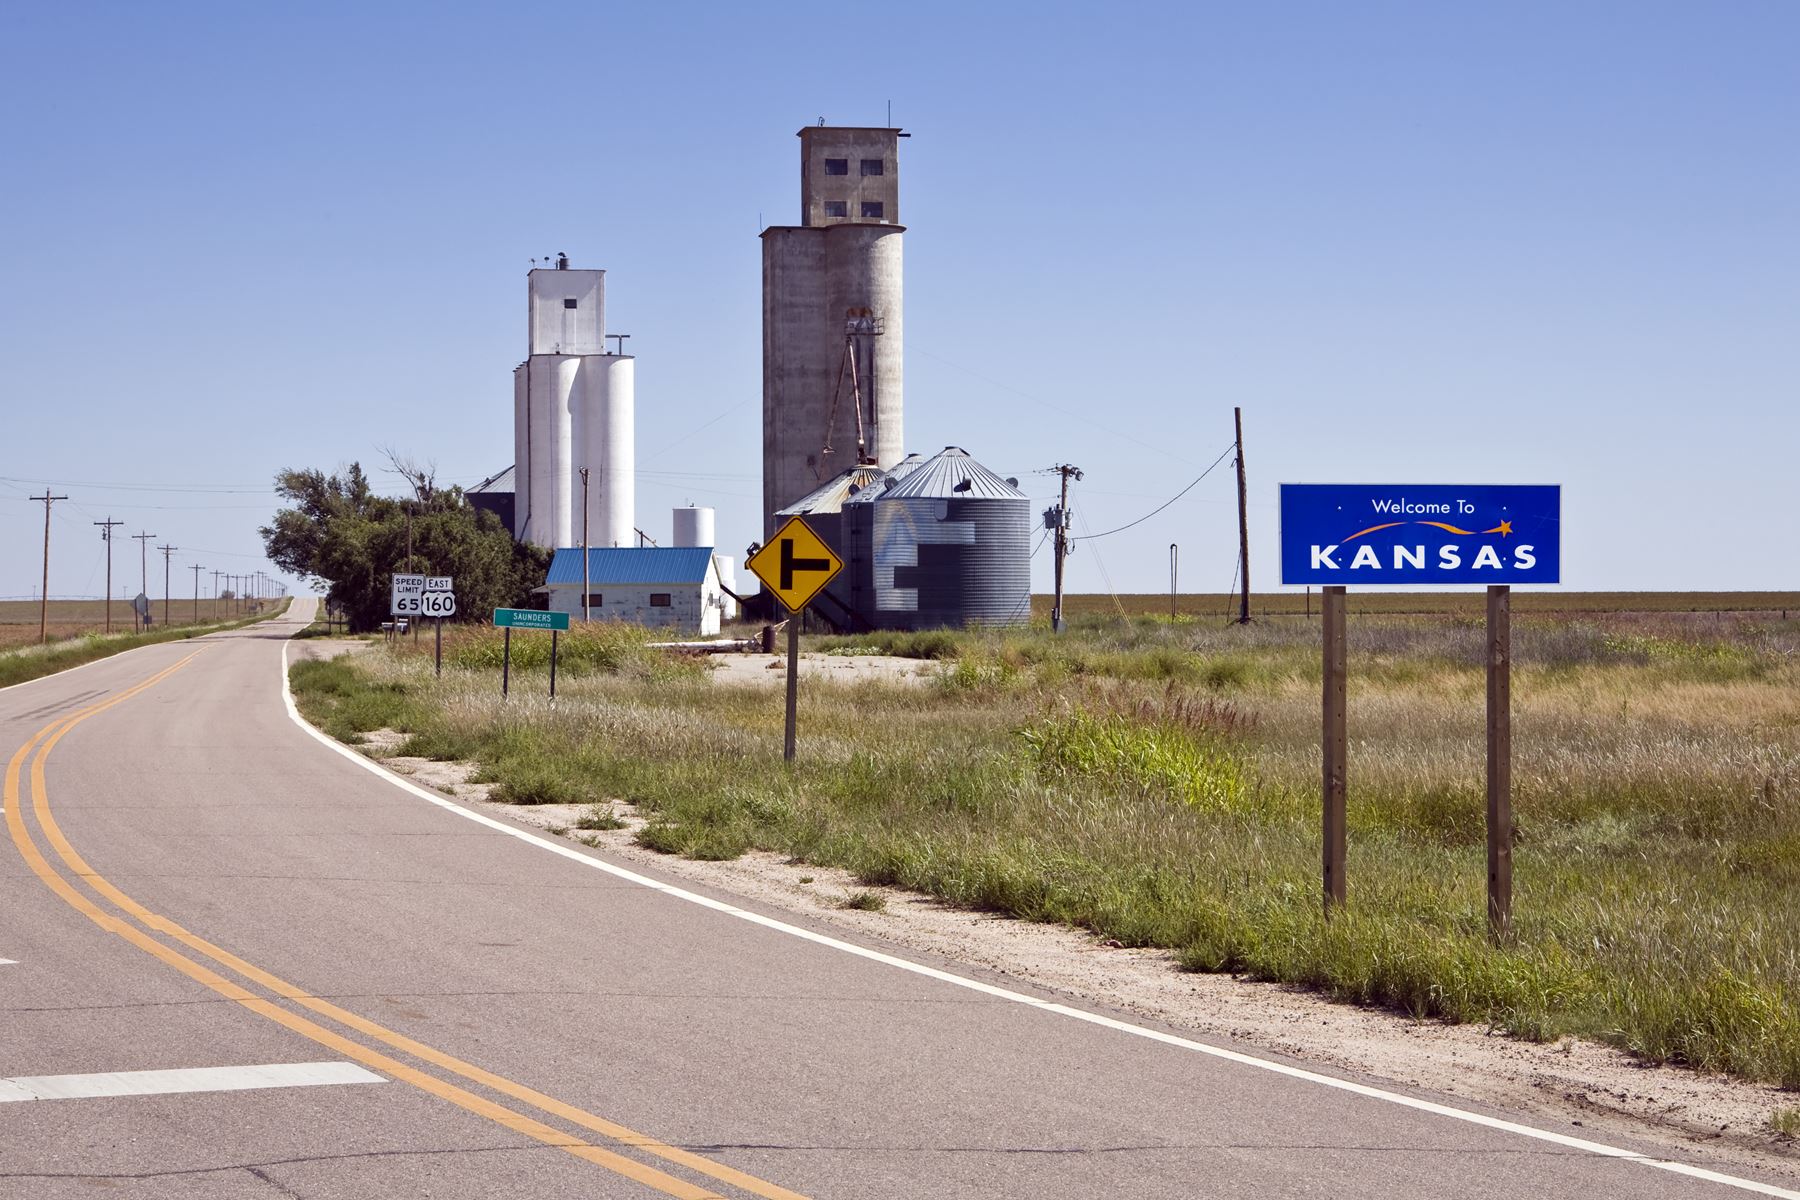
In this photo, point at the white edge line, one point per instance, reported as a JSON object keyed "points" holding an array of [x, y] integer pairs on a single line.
{"points": [[988, 989], [183, 1080]]}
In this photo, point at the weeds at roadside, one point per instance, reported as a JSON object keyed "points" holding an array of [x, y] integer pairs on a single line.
{"points": [[599, 816], [866, 901]]}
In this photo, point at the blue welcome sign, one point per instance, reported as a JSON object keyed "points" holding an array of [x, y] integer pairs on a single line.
{"points": [[1363, 534]]}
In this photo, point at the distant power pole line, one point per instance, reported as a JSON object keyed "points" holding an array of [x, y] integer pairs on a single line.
{"points": [[196, 569], [44, 596], [166, 552], [106, 528]]}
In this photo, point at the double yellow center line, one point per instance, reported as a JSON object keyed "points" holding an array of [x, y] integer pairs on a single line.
{"points": [[137, 924]]}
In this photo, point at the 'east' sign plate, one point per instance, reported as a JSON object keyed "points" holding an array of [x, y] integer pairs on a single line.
{"points": [[1373, 534]]}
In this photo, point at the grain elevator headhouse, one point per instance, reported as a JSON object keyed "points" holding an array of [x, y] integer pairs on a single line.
{"points": [[832, 317]]}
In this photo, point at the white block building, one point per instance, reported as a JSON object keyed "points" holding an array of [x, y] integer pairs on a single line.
{"points": [[677, 588]]}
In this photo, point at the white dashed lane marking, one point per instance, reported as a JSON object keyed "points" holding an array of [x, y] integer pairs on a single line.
{"points": [[192, 1079]]}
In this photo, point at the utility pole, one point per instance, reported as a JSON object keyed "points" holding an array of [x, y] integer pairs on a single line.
{"points": [[143, 541], [106, 528], [166, 551], [1060, 523], [44, 596], [586, 615], [215, 603], [1174, 562], [1243, 521], [196, 569]]}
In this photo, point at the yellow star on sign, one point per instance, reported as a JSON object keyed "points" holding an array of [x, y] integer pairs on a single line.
{"points": [[1505, 528]]}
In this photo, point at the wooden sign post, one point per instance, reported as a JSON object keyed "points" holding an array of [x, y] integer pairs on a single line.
{"points": [[1499, 761], [1336, 748]]}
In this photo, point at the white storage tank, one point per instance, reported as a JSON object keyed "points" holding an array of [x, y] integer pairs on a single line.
{"points": [[694, 526]]}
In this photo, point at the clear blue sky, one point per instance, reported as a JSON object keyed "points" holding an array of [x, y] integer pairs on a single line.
{"points": [[1416, 242]]}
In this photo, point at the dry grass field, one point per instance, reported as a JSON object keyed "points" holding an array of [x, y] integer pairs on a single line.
{"points": [[76, 618], [76, 634], [1223, 607], [1158, 785]]}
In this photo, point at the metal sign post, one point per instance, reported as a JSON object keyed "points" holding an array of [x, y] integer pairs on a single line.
{"points": [[506, 663], [553, 664], [795, 566], [1493, 534], [438, 600]]}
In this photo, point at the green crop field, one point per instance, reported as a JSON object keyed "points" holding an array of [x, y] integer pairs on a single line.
{"points": [[1158, 784]]}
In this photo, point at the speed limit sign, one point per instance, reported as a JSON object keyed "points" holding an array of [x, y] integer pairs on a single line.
{"points": [[437, 604]]}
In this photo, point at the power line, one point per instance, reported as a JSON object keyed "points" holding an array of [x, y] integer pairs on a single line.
{"points": [[915, 348], [199, 489], [1088, 537]]}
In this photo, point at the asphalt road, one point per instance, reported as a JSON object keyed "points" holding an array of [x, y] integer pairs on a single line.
{"points": [[195, 881]]}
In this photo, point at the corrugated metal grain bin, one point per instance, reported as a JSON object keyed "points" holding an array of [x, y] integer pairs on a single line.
{"points": [[947, 544]]}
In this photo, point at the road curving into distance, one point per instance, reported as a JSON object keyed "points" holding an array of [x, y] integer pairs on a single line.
{"points": [[238, 962]]}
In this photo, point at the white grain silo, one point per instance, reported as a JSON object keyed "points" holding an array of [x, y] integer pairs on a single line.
{"points": [[607, 439], [694, 526], [573, 407]]}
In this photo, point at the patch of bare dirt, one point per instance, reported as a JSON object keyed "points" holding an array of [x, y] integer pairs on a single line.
{"points": [[768, 669]]}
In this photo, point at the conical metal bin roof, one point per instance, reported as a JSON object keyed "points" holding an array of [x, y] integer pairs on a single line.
{"points": [[952, 475], [878, 487], [830, 496]]}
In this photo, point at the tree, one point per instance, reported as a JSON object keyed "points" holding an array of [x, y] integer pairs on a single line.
{"points": [[338, 533]]}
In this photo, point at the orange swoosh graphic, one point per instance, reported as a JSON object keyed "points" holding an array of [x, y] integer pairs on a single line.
{"points": [[1450, 528], [1372, 529]]}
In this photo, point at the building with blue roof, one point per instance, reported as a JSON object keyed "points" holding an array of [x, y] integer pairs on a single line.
{"points": [[673, 587]]}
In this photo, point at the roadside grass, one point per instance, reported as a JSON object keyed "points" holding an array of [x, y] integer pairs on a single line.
{"points": [[1786, 1122], [33, 662], [1157, 785], [866, 901]]}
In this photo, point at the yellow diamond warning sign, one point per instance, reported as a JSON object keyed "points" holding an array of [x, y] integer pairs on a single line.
{"points": [[795, 564]]}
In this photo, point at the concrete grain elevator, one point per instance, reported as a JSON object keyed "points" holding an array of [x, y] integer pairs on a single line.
{"points": [[573, 407], [833, 329]]}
